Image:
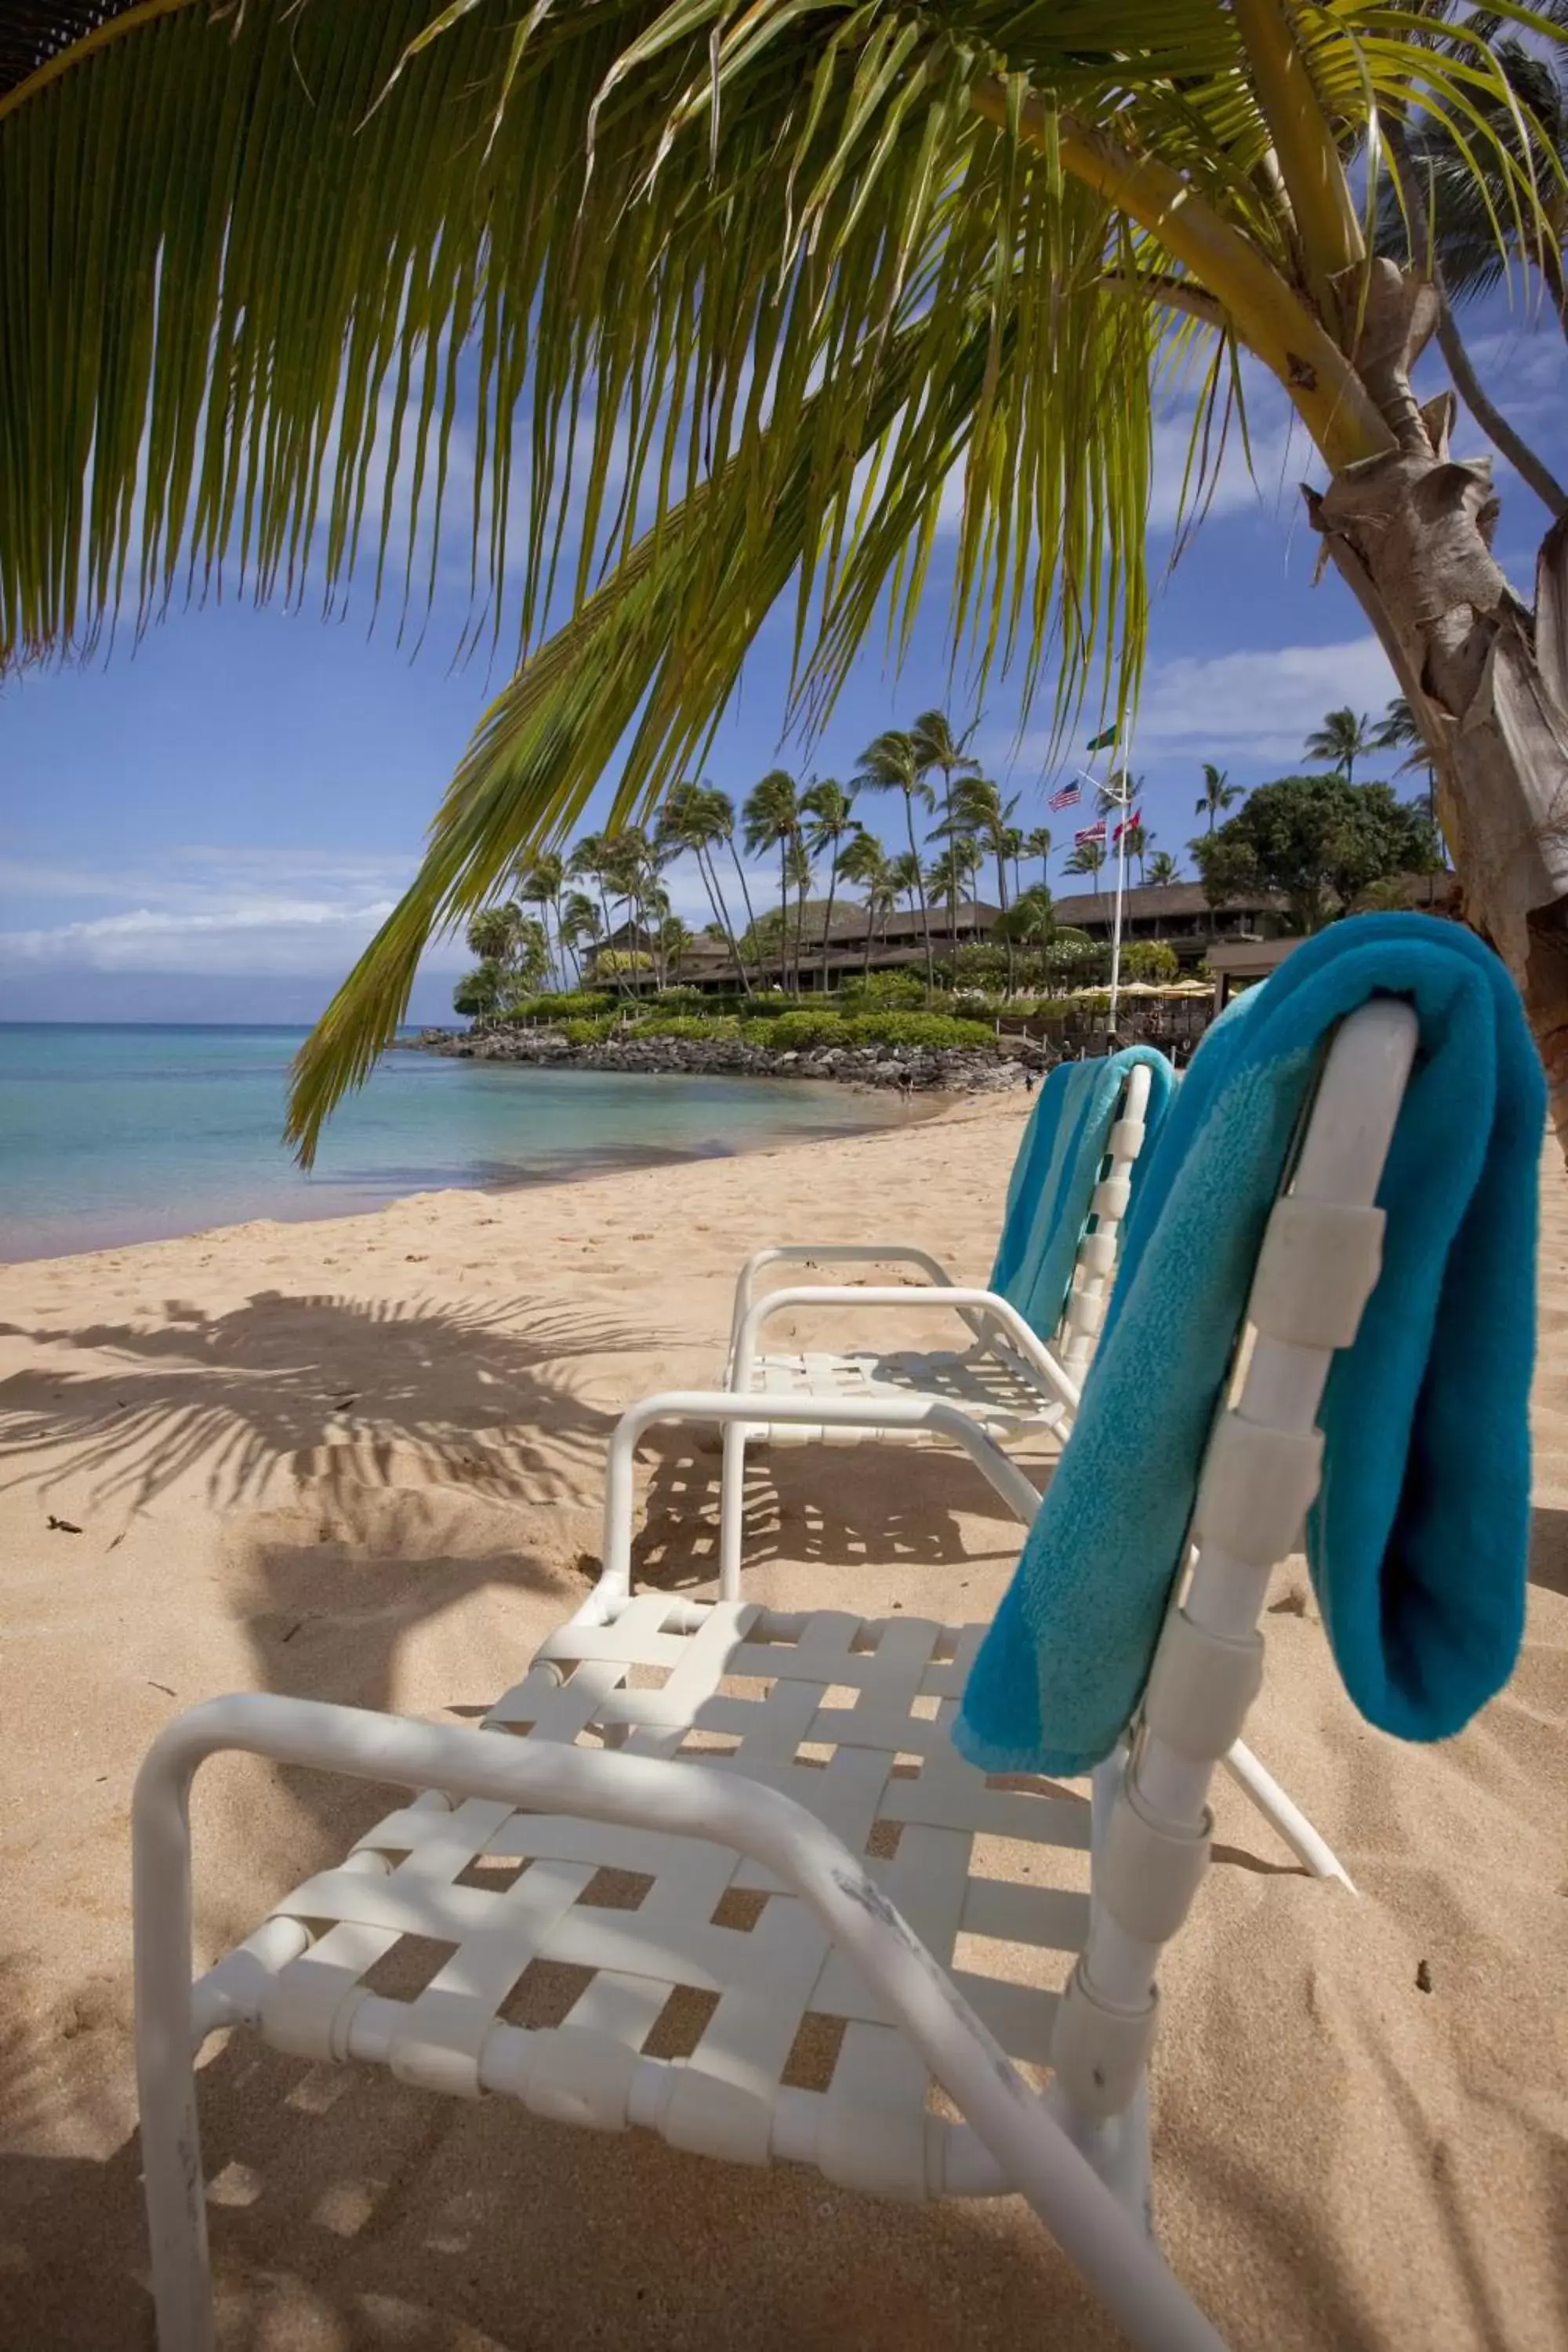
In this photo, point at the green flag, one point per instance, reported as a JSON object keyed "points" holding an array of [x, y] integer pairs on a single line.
{"points": [[1102, 742]]}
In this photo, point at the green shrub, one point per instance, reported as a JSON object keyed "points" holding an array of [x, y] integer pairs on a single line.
{"points": [[796, 1030], [695, 1027], [572, 1005], [591, 1032], [1153, 959], [932, 1032], [883, 991]]}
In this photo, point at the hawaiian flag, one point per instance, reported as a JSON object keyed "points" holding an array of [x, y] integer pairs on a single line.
{"points": [[1068, 797], [1125, 826], [1090, 832]]}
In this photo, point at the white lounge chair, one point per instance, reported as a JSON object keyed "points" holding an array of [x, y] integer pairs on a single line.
{"points": [[810, 1845], [1011, 1382]]}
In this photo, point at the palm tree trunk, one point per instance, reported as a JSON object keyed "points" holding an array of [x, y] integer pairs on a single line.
{"points": [[708, 867], [799, 931], [952, 879], [870, 933], [784, 913], [746, 902], [1487, 683], [1002, 895], [827, 919], [921, 890]]}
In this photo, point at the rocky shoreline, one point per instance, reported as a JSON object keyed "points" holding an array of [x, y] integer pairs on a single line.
{"points": [[915, 1069]]}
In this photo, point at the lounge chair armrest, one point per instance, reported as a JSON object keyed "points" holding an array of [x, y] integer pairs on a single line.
{"points": [[722, 1406], [982, 1310], [1107, 2243], [824, 1254]]}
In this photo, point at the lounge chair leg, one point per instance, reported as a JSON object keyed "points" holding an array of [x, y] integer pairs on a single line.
{"points": [[1304, 1842], [165, 2071], [731, 1509]]}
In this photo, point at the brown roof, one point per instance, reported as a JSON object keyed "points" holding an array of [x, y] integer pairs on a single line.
{"points": [[33, 31], [1170, 899]]}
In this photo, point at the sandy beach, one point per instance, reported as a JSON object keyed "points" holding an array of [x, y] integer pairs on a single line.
{"points": [[363, 1460]]}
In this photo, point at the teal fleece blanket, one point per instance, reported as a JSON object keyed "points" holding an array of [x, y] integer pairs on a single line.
{"points": [[1055, 1174], [1417, 1542]]}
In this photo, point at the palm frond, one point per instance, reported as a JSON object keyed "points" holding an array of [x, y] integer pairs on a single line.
{"points": [[722, 297]]}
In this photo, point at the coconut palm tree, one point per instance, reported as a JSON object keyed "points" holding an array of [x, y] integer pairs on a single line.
{"points": [[892, 764], [1342, 740], [863, 863], [1162, 870], [1086, 857], [1038, 844], [693, 819], [721, 814], [820, 258], [936, 746], [588, 861], [580, 928], [797, 858], [1217, 794], [770, 820], [1013, 850], [493, 932], [979, 811], [828, 821], [952, 871], [540, 882]]}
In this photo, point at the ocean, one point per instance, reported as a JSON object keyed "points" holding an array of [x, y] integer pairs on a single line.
{"points": [[114, 1134]]}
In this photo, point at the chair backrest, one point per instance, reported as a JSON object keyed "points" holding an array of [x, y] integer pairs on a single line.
{"points": [[1070, 1185], [1315, 1269], [1094, 1263]]}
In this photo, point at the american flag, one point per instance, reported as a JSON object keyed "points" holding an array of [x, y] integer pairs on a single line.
{"points": [[1068, 797], [1090, 832]]}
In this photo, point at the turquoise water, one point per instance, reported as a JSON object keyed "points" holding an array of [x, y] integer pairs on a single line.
{"points": [[128, 1134]]}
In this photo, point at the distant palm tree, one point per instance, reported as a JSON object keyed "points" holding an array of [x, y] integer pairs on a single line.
{"points": [[493, 934], [797, 858], [1397, 731], [1013, 850], [1038, 845], [540, 882], [589, 861], [826, 808], [936, 746], [952, 871], [721, 813], [579, 926], [1162, 869], [892, 763], [979, 810], [631, 866], [864, 862], [1217, 794], [1088, 857], [1342, 740], [770, 820], [691, 820]]}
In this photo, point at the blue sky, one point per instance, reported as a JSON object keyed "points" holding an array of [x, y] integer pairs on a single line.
{"points": [[210, 824]]}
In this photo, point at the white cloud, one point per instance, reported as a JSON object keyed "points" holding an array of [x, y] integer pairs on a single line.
{"points": [[1258, 705], [293, 913]]}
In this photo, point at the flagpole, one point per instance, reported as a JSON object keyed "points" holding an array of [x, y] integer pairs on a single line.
{"points": [[1124, 800]]}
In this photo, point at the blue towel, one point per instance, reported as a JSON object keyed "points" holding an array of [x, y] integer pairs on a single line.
{"points": [[1055, 1174], [1417, 1542]]}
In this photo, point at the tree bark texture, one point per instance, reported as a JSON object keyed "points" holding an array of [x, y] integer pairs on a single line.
{"points": [[1410, 531]]}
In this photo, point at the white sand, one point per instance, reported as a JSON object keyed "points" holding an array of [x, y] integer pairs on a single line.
{"points": [[363, 1460]]}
